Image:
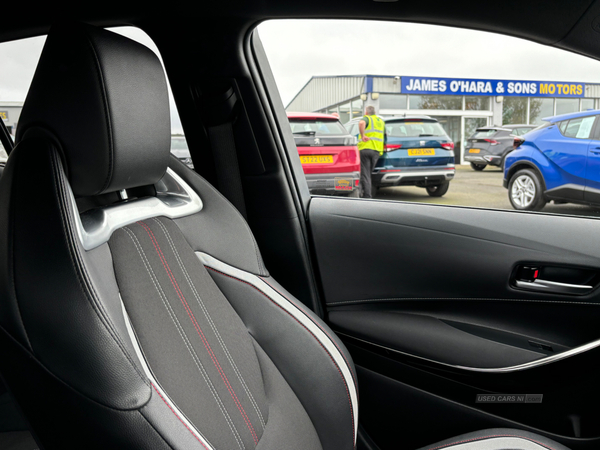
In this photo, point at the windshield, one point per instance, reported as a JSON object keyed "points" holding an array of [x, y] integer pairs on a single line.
{"points": [[414, 129], [317, 127]]}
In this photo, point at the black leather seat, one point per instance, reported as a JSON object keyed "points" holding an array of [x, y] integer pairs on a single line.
{"points": [[149, 320]]}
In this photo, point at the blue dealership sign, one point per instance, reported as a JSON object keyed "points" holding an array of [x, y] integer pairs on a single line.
{"points": [[511, 88]]}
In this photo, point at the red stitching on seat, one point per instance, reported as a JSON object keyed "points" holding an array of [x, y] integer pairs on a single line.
{"points": [[199, 331], [177, 415], [311, 333], [492, 436]]}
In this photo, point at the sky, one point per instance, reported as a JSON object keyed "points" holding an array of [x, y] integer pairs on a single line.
{"points": [[299, 49]]}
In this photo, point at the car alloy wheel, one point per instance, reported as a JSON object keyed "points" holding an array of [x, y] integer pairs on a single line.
{"points": [[525, 191]]}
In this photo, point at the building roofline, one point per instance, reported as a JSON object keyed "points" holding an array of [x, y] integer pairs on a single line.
{"points": [[325, 76], [10, 103]]}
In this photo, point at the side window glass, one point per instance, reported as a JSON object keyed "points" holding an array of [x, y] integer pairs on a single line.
{"points": [[563, 126], [579, 128], [19, 60], [449, 131]]}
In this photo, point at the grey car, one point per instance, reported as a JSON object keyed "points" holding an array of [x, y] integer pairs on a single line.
{"points": [[490, 145]]}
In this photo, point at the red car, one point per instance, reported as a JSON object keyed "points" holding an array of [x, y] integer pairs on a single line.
{"points": [[328, 153]]}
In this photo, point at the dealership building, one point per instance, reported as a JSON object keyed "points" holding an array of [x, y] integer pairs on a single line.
{"points": [[461, 105], [10, 113]]}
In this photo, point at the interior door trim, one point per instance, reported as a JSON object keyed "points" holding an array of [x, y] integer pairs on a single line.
{"points": [[400, 299], [520, 367]]}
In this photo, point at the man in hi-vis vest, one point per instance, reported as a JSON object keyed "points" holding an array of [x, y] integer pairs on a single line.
{"points": [[371, 142]]}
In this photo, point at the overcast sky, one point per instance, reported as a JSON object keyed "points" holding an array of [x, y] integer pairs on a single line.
{"points": [[299, 49]]}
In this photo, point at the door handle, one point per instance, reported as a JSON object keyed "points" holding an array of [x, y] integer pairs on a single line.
{"points": [[555, 279], [553, 287]]}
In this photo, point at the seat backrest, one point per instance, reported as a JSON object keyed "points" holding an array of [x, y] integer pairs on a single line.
{"points": [[135, 308]]}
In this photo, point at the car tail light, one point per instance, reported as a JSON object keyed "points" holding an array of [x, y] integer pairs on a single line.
{"points": [[448, 145], [391, 147], [517, 142], [356, 182], [492, 141]]}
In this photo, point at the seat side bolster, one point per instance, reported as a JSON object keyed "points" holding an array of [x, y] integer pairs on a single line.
{"points": [[219, 229], [67, 313], [302, 349]]}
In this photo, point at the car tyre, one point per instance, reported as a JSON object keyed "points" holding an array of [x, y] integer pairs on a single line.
{"points": [[478, 167], [437, 190], [525, 191]]}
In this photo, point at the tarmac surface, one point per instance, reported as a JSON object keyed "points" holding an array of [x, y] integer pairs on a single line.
{"points": [[478, 189]]}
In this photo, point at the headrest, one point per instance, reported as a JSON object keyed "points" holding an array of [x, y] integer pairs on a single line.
{"points": [[102, 98]]}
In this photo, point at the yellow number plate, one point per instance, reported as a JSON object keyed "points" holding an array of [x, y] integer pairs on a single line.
{"points": [[421, 151], [474, 150], [316, 159]]}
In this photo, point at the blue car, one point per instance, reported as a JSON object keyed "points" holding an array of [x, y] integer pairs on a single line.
{"points": [[558, 161], [418, 152]]}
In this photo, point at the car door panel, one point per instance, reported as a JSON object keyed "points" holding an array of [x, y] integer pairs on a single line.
{"points": [[404, 251], [424, 295]]}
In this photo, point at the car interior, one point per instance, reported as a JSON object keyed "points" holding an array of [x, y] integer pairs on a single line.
{"points": [[146, 305]]}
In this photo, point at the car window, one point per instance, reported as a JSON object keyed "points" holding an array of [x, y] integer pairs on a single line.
{"points": [[580, 128], [414, 129], [19, 60], [317, 127], [457, 96], [352, 128], [485, 134]]}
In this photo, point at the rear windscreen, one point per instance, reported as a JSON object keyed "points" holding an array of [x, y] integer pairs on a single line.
{"points": [[318, 127], [414, 129], [482, 134]]}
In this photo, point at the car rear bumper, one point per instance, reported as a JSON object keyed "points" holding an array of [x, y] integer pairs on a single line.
{"points": [[422, 176], [493, 160], [338, 182]]}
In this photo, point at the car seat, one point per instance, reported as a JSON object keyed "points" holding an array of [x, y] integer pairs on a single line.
{"points": [[135, 310]]}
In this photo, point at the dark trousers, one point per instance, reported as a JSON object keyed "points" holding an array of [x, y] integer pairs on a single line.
{"points": [[368, 159]]}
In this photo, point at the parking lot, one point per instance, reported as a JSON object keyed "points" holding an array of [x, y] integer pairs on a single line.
{"points": [[478, 189]]}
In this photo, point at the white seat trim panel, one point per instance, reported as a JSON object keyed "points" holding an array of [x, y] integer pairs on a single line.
{"points": [[157, 387], [258, 283], [495, 443], [174, 198]]}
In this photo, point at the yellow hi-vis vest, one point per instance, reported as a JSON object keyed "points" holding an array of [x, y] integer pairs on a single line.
{"points": [[374, 130]]}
